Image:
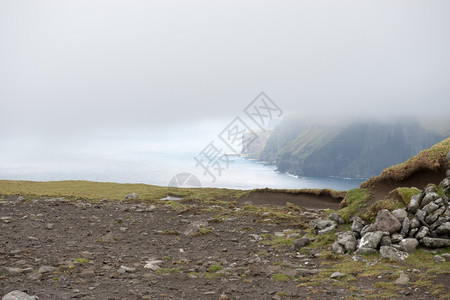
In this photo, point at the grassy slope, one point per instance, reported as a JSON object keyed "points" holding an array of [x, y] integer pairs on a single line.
{"points": [[356, 201], [429, 159], [113, 191]]}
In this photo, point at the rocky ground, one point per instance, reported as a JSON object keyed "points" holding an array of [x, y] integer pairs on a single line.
{"points": [[61, 249]]}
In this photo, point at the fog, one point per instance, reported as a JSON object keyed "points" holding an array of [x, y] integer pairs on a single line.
{"points": [[83, 66], [77, 75]]}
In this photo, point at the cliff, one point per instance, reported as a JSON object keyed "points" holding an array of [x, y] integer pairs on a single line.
{"points": [[345, 148]]}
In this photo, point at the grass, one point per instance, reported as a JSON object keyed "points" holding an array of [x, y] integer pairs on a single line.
{"points": [[433, 158], [214, 268], [355, 200], [167, 271], [80, 261], [389, 204], [89, 190], [281, 277], [407, 193]]}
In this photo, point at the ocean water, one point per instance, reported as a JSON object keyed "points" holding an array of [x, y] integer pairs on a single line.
{"points": [[154, 158]]}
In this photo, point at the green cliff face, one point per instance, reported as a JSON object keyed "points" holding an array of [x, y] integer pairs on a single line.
{"points": [[345, 149]]}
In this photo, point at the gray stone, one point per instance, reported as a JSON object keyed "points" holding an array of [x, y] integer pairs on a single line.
{"points": [[387, 252], [153, 264], [439, 259], [359, 258], [322, 224], [430, 207], [367, 228], [414, 203], [348, 240], [357, 224], [396, 237], [337, 218], [46, 269], [420, 215], [132, 196], [408, 245], [400, 214], [413, 232], [405, 227], [439, 202], [431, 218], [446, 256], [124, 269], [328, 229], [338, 248], [337, 275], [194, 227], [414, 223], [371, 240], [385, 241], [423, 232], [435, 242], [448, 156], [365, 251], [429, 197], [18, 295], [430, 189], [444, 229], [402, 279], [300, 243], [447, 173], [385, 221], [445, 183]]}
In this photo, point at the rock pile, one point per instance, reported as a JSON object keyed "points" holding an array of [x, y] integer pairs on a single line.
{"points": [[425, 221]]}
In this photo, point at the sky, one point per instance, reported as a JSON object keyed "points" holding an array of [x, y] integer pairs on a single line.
{"points": [[88, 67]]}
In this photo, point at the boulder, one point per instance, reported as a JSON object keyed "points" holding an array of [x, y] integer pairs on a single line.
{"points": [[300, 243], [423, 232], [429, 197], [385, 241], [336, 218], [402, 279], [408, 245], [413, 232], [400, 214], [132, 196], [348, 241], [447, 173], [431, 218], [357, 224], [414, 203], [405, 227], [396, 237], [194, 227], [337, 275], [439, 259], [338, 248], [365, 251], [18, 295], [385, 221], [328, 229], [371, 240], [448, 156], [445, 183], [414, 223], [435, 242], [430, 207], [388, 252], [444, 229]]}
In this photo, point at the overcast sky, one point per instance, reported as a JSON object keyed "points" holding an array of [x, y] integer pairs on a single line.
{"points": [[80, 66]]}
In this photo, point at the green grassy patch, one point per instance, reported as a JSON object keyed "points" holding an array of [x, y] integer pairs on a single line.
{"points": [[355, 200]]}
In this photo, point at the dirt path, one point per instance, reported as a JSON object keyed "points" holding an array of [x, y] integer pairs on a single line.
{"points": [[305, 200]]}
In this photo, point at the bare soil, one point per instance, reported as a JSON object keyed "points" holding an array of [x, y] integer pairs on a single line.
{"points": [[85, 244]]}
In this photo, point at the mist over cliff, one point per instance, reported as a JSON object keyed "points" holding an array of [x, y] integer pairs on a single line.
{"points": [[358, 148]]}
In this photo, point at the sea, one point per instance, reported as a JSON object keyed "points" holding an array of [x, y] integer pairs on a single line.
{"points": [[159, 158]]}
